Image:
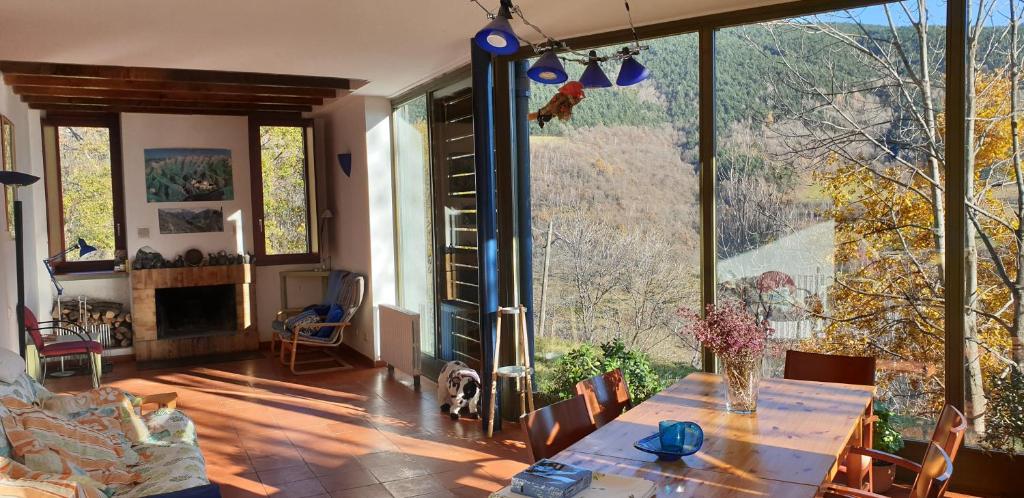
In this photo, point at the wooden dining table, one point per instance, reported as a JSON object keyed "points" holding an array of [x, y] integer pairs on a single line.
{"points": [[789, 448]]}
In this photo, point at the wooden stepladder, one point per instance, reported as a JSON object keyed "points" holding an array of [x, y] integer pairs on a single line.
{"points": [[521, 371]]}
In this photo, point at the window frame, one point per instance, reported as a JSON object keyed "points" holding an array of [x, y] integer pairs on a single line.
{"points": [[256, 183], [54, 185]]}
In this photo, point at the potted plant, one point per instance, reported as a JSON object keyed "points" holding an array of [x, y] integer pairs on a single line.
{"points": [[886, 439], [739, 339]]}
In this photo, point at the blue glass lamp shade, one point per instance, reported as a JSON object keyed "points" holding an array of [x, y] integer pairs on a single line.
{"points": [[631, 72], [497, 37], [84, 248], [593, 76], [548, 69]]}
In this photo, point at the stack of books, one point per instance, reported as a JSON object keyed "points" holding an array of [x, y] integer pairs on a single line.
{"points": [[550, 479]]}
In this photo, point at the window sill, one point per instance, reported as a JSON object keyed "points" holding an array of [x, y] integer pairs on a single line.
{"points": [[287, 259], [90, 275]]}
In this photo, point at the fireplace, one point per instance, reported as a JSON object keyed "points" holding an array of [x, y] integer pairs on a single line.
{"points": [[195, 311], [192, 311]]}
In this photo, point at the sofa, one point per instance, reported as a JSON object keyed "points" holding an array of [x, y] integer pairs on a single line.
{"points": [[168, 463]]}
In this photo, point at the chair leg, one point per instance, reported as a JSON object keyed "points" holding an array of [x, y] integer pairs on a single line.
{"points": [[295, 350], [494, 376], [96, 367], [42, 380]]}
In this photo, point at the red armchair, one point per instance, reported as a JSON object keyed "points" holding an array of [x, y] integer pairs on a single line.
{"points": [[83, 345]]}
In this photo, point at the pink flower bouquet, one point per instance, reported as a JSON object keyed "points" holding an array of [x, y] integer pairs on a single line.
{"points": [[740, 340]]}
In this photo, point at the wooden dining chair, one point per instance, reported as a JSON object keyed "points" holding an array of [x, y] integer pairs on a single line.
{"points": [[607, 396], [948, 435], [839, 369], [556, 427], [931, 482], [859, 370]]}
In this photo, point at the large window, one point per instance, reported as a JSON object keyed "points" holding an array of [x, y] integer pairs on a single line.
{"points": [[830, 187], [284, 199], [435, 203], [994, 270], [616, 220], [413, 207], [85, 193]]}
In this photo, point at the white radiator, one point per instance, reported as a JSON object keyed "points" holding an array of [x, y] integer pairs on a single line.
{"points": [[400, 339]]}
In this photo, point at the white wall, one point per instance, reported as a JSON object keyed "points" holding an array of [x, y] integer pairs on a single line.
{"points": [[27, 159], [146, 131], [155, 131], [363, 237]]}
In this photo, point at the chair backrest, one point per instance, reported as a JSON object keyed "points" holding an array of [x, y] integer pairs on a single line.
{"points": [[32, 326], [353, 286], [949, 431], [607, 396], [350, 298], [556, 427], [835, 368], [936, 470]]}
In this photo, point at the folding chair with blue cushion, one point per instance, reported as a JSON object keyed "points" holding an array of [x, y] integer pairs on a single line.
{"points": [[319, 326]]}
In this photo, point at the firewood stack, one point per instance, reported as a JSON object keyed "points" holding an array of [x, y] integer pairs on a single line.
{"points": [[106, 312]]}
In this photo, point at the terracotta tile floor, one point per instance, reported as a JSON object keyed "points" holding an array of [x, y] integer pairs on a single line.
{"points": [[358, 433], [352, 434]]}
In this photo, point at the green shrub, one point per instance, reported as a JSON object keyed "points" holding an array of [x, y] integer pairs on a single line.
{"points": [[586, 361], [887, 438], [1005, 416]]}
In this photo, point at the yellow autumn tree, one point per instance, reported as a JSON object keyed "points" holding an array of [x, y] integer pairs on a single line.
{"points": [[888, 297]]}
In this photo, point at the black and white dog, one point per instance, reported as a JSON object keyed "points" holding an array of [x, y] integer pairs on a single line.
{"points": [[458, 387]]}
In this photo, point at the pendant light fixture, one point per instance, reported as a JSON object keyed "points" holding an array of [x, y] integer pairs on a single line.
{"points": [[497, 37], [593, 76], [548, 69], [631, 72]]}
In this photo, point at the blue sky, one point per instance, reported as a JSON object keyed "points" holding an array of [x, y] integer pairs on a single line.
{"points": [[936, 13]]}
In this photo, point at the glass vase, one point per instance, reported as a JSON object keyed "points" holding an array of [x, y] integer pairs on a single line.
{"points": [[742, 376]]}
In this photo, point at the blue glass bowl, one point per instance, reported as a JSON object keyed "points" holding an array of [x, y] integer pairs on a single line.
{"points": [[693, 438]]}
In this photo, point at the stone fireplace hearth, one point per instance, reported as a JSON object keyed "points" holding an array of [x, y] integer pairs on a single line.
{"points": [[183, 312]]}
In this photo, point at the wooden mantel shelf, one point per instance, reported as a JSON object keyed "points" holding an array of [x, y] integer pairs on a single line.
{"points": [[148, 344], [162, 278]]}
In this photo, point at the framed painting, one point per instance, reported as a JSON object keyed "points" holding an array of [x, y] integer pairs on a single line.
{"points": [[7, 164], [188, 175]]}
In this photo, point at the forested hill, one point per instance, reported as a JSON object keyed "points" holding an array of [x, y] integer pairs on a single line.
{"points": [[748, 59]]}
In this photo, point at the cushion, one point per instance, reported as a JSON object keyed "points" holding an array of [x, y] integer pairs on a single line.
{"points": [[308, 316], [170, 426], [167, 468], [12, 365], [95, 408], [207, 491], [48, 443], [18, 481], [334, 315], [25, 389]]}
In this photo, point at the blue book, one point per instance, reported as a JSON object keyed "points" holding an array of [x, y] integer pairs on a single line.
{"points": [[550, 479]]}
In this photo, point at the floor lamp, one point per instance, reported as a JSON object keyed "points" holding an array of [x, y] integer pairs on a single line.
{"points": [[17, 179]]}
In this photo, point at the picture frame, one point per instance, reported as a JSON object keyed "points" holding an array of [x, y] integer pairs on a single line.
{"points": [[7, 164]]}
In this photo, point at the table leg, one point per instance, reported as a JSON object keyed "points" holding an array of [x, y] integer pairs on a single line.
{"points": [[858, 468]]}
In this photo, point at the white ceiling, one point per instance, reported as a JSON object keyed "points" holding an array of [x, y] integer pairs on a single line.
{"points": [[394, 44]]}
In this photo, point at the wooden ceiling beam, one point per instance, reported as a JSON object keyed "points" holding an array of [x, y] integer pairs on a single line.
{"points": [[167, 86], [169, 104], [103, 109], [175, 75], [25, 91]]}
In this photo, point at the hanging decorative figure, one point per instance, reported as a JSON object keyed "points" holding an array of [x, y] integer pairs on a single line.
{"points": [[560, 105]]}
